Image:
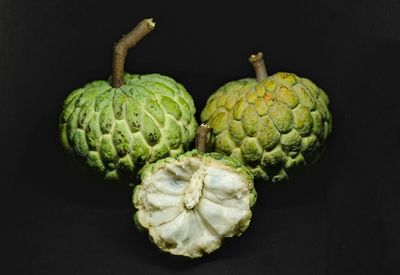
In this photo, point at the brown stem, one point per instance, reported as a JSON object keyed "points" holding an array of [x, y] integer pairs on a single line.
{"points": [[201, 137], [123, 45], [259, 66]]}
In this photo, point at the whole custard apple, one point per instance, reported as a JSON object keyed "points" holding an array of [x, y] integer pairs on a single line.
{"points": [[271, 124], [189, 204], [118, 126]]}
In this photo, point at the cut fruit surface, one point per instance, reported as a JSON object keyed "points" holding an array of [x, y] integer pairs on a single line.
{"points": [[191, 203]]}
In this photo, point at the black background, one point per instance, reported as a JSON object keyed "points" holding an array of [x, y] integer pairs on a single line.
{"points": [[339, 217]]}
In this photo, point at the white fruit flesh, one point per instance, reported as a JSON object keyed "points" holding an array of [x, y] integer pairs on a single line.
{"points": [[189, 206]]}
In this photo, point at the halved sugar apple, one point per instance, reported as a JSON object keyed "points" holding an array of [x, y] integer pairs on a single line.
{"points": [[118, 126], [190, 203], [271, 124]]}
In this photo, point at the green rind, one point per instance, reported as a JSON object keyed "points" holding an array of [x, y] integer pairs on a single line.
{"points": [[118, 131], [252, 121]]}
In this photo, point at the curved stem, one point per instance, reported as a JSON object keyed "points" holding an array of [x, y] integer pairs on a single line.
{"points": [[124, 44], [259, 66], [201, 137]]}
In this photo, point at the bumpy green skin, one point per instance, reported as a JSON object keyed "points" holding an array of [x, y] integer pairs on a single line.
{"points": [[271, 127], [116, 131]]}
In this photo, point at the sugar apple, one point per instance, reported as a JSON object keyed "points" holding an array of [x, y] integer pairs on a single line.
{"points": [[117, 126], [190, 203], [272, 124]]}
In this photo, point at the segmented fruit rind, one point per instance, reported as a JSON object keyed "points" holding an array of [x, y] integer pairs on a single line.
{"points": [[271, 127], [116, 131]]}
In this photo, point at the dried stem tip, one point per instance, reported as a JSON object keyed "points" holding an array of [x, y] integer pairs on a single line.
{"points": [[201, 137], [259, 66], [124, 44]]}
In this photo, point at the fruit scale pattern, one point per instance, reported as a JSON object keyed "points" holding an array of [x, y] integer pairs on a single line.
{"points": [[272, 127], [118, 130]]}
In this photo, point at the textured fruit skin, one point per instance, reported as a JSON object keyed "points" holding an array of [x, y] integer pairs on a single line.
{"points": [[271, 127], [116, 131]]}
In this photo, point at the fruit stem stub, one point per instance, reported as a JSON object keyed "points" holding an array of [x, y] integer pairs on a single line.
{"points": [[259, 66], [201, 137], [124, 44]]}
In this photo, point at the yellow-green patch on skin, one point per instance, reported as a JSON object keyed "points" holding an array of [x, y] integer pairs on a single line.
{"points": [[119, 104], [121, 137], [93, 133], [310, 143], [81, 146], [268, 135], [291, 142], [159, 151], [236, 130], [218, 122], [236, 154], [286, 78], [125, 164], [318, 124], [259, 90], [311, 87], [94, 161], [222, 100], [306, 100], [250, 121], [285, 113], [111, 175], [261, 106], [298, 160], [251, 96], [239, 108], [231, 101], [150, 130], [174, 135], [302, 120], [155, 110], [274, 158], [106, 119], [281, 116], [85, 114], [225, 142], [133, 115], [140, 150], [107, 149], [287, 97], [269, 85], [186, 111], [280, 176], [251, 150], [171, 107]]}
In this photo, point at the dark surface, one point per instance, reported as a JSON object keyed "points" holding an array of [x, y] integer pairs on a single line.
{"points": [[341, 216]]}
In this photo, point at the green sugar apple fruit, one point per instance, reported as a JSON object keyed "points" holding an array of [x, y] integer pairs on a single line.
{"points": [[190, 203], [118, 126], [271, 124]]}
